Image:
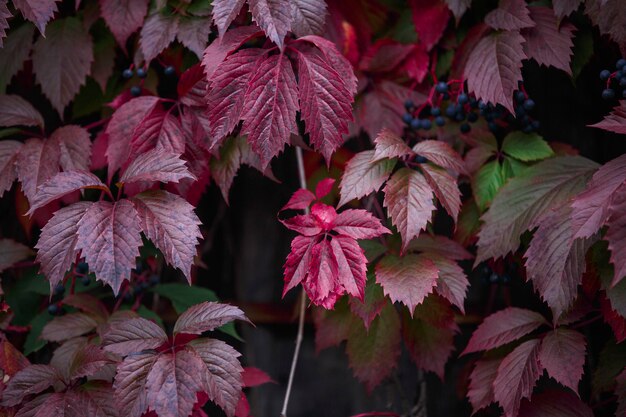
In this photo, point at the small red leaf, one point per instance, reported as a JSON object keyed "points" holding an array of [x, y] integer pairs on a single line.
{"points": [[37, 11], [616, 121], [124, 337], [549, 42], [15, 111], [503, 327], [30, 380], [430, 18], [389, 145], [273, 16], [157, 33], [157, 165], [323, 188], [252, 377], [123, 17], [562, 354], [510, 15], [480, 391], [207, 316], [362, 176], [441, 154], [64, 183]]}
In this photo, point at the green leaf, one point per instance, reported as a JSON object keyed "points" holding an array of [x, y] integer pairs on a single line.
{"points": [[373, 248], [9, 132], [444, 62], [583, 51], [512, 168], [24, 296], [486, 183], [468, 223], [33, 343], [611, 362], [526, 146], [184, 296]]}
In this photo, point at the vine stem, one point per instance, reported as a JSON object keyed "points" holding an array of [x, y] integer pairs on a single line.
{"points": [[302, 309]]}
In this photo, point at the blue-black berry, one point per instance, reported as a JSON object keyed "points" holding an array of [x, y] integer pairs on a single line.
{"points": [[127, 73], [463, 98], [426, 124], [135, 91], [451, 110], [53, 309], [472, 117], [169, 71], [493, 127], [621, 63], [407, 118], [459, 116], [154, 279], [415, 124], [482, 105], [520, 97], [141, 73], [82, 268], [59, 289], [465, 128], [535, 124], [408, 104], [435, 111], [420, 159], [85, 280], [622, 82], [441, 87], [608, 94], [605, 74], [440, 121], [529, 104]]}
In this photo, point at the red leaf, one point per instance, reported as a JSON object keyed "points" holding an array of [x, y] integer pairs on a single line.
{"points": [[445, 188], [555, 261], [430, 18], [332, 326], [373, 353], [441, 154], [121, 129], [12, 252], [15, 111], [452, 283], [123, 17], [273, 16], [4, 24], [384, 55], [11, 360], [591, 207], [62, 60], [192, 85], [64, 183], [324, 187], [170, 222], [503, 327], [194, 34], [75, 147], [440, 246], [613, 319], [37, 11], [130, 383], [158, 129], [610, 17], [228, 84], [408, 279], [372, 304], [510, 15], [358, 224], [9, 151], [308, 17], [271, 103], [89, 304], [563, 8], [325, 102], [562, 354], [68, 327], [555, 403], [56, 248], [517, 375], [480, 391], [616, 121], [230, 41], [172, 383], [252, 377], [494, 68], [207, 316], [616, 234], [128, 336], [409, 201], [548, 42], [417, 63], [88, 361], [30, 380], [223, 372], [362, 176], [157, 165], [37, 161], [224, 12], [389, 145], [157, 33], [109, 237]]}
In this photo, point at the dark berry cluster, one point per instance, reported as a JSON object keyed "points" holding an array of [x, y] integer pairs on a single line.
{"points": [[497, 273], [143, 278], [142, 73], [615, 81]]}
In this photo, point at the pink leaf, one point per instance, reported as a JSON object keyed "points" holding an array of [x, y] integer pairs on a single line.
{"points": [[5, 14], [517, 375], [440, 246], [271, 103], [56, 248], [194, 34], [37, 11], [409, 201], [555, 261], [157, 33], [591, 207], [9, 151], [503, 327], [325, 102], [37, 161], [430, 18], [157, 165], [30, 380], [616, 235], [562, 354], [358, 224], [219, 49], [68, 327], [408, 279], [224, 12], [417, 63], [192, 86], [207, 316], [510, 15], [75, 147], [109, 237], [64, 183], [308, 17], [480, 391], [389, 145], [130, 383], [616, 121], [252, 377], [362, 176], [445, 188], [441, 154], [563, 8], [170, 222], [62, 60], [158, 129], [452, 283], [222, 374], [548, 42], [493, 68], [555, 403], [15, 111], [228, 84], [273, 16], [12, 252], [123, 17], [373, 353], [324, 187], [128, 336]]}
